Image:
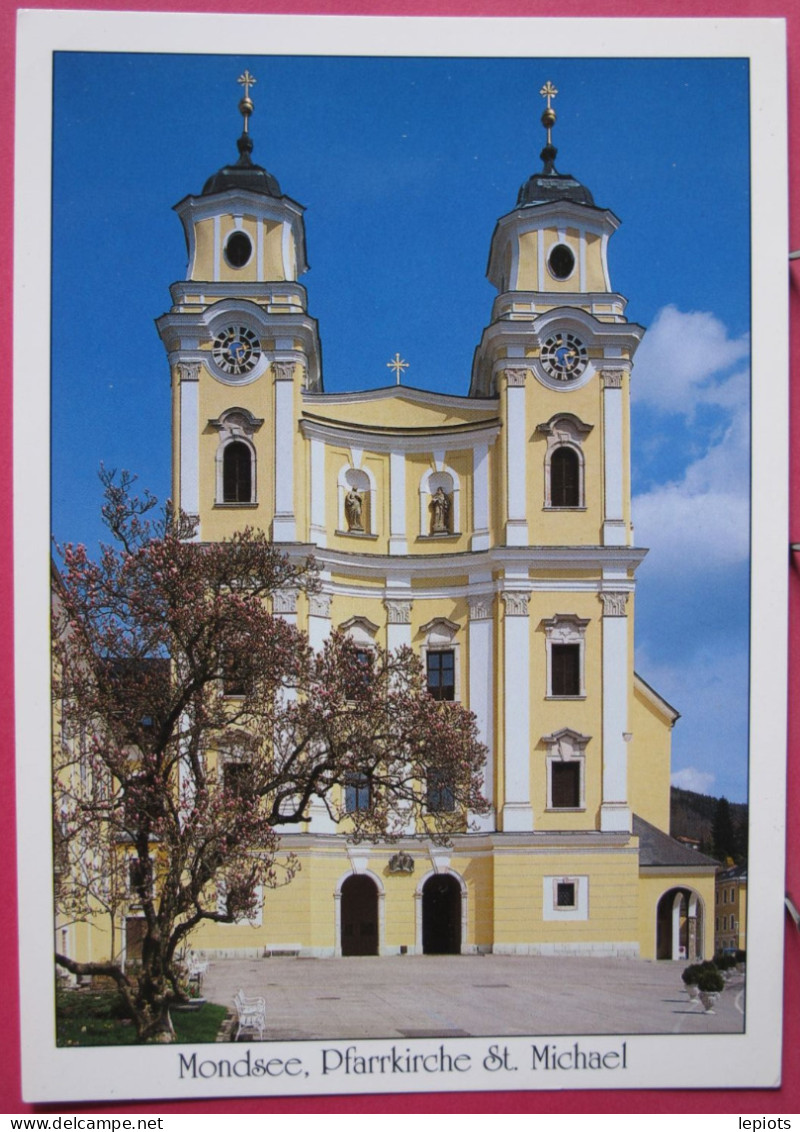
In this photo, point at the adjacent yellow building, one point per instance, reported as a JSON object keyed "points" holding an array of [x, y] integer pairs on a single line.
{"points": [[492, 533], [730, 918]]}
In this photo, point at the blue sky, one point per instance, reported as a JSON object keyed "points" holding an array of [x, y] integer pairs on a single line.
{"points": [[404, 166]]}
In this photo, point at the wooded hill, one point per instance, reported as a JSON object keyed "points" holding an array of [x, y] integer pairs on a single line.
{"points": [[703, 817]]}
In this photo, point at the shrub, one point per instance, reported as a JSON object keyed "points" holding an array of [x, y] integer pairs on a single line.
{"points": [[710, 980]]}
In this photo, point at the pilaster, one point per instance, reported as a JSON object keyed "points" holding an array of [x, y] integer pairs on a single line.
{"points": [[517, 810], [615, 813], [481, 693]]}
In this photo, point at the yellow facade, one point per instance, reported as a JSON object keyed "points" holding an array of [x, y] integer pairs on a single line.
{"points": [[491, 533]]}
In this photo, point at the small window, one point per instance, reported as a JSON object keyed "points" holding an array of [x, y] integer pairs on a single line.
{"points": [[356, 793], [441, 668], [565, 482], [138, 877], [566, 669], [441, 796], [237, 779], [238, 249], [237, 473], [565, 785], [565, 894], [561, 261]]}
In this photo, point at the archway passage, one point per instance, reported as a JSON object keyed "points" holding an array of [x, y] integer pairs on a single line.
{"points": [[441, 916], [679, 925], [359, 916]]}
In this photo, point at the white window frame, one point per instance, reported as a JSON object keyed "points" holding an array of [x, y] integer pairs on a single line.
{"points": [[440, 636], [566, 629], [566, 745], [564, 430], [233, 425], [550, 908]]}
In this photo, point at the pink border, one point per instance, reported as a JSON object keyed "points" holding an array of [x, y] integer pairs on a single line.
{"points": [[781, 1101]]}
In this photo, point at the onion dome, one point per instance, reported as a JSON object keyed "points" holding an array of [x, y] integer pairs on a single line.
{"points": [[245, 174], [550, 185]]}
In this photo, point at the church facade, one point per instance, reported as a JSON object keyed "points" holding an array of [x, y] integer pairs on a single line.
{"points": [[489, 532]]}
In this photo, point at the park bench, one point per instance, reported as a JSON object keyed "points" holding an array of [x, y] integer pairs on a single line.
{"points": [[251, 1013]]}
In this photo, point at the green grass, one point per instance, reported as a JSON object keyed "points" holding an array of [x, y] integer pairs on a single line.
{"points": [[96, 1018]]}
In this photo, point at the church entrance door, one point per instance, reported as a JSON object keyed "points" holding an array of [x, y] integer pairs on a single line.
{"points": [[441, 916], [359, 916]]}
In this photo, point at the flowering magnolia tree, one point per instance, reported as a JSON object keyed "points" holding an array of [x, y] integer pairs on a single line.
{"points": [[195, 723]]}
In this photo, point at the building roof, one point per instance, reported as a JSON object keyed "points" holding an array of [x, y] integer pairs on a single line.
{"points": [[544, 188], [243, 175], [737, 872], [658, 849]]}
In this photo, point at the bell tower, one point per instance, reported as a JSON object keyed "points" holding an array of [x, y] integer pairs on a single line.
{"points": [[241, 347]]}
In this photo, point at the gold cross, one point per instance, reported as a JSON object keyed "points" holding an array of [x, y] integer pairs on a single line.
{"points": [[247, 80], [398, 365], [548, 91]]}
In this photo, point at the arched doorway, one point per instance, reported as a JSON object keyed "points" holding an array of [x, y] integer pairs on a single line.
{"points": [[441, 916], [679, 925], [359, 916]]}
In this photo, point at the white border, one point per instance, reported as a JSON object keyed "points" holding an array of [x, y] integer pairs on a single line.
{"points": [[752, 1059]]}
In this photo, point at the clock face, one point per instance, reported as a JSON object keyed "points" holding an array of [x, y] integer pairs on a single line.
{"points": [[563, 357], [236, 350]]}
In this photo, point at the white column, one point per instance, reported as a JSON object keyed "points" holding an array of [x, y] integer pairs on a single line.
{"points": [[615, 813], [613, 516], [516, 453], [319, 627], [398, 627], [481, 693], [397, 504], [318, 531], [319, 620], [189, 473], [283, 525], [517, 811], [480, 497]]}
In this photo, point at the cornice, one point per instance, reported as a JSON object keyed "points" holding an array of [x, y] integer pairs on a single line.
{"points": [[388, 439]]}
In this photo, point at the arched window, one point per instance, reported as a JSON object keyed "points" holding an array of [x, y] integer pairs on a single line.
{"points": [[564, 472], [235, 459], [565, 478], [237, 473]]}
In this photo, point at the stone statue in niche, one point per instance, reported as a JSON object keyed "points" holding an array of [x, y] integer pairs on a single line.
{"points": [[440, 513], [354, 510]]}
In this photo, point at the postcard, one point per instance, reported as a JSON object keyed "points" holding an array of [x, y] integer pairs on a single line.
{"points": [[401, 696]]}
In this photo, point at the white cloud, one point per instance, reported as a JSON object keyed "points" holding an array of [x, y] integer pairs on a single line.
{"points": [[703, 519], [692, 779], [682, 362]]}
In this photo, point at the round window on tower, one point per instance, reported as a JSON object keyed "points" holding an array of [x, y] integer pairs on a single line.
{"points": [[238, 249], [561, 262]]}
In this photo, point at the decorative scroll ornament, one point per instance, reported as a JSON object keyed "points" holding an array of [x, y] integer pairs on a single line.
{"points": [[516, 377], [612, 378], [284, 371], [401, 863], [319, 605], [516, 603], [285, 601], [614, 603], [189, 371], [480, 608], [398, 612]]}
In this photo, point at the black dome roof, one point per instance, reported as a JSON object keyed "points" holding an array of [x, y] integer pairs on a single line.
{"points": [[243, 175], [550, 185], [542, 188]]}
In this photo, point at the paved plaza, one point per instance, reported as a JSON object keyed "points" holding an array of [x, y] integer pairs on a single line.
{"points": [[460, 996]]}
